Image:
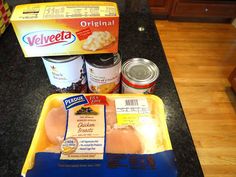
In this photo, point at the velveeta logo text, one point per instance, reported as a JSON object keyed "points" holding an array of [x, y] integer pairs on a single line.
{"points": [[46, 38]]}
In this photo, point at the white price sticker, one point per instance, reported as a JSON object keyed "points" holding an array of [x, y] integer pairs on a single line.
{"points": [[132, 106]]}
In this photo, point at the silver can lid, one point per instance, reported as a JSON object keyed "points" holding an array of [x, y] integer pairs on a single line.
{"points": [[103, 60], [61, 59], [140, 71]]}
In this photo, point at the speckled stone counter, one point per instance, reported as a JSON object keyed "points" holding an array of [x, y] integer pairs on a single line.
{"points": [[24, 85]]}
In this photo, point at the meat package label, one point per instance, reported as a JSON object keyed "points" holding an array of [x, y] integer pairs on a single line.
{"points": [[132, 111], [113, 165], [85, 128]]}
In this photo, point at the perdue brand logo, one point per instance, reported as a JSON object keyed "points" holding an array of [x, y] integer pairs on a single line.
{"points": [[74, 101], [48, 37]]}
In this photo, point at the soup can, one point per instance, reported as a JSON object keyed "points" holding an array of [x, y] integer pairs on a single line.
{"points": [[103, 73], [139, 75], [66, 73]]}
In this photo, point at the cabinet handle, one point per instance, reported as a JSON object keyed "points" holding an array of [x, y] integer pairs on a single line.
{"points": [[206, 9]]}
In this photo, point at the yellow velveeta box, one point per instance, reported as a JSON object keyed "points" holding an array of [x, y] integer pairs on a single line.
{"points": [[66, 28]]}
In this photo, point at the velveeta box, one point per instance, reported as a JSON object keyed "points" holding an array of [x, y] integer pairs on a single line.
{"points": [[66, 28]]}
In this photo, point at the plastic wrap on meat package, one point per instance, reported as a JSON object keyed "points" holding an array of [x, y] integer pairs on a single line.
{"points": [[101, 135]]}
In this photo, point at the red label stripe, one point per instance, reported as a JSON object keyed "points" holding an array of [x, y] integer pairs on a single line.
{"points": [[136, 85], [96, 99]]}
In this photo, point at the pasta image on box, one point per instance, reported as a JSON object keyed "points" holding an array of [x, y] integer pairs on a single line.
{"points": [[66, 28], [103, 135]]}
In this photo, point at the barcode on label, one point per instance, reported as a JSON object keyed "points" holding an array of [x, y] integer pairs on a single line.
{"points": [[131, 106], [132, 102]]}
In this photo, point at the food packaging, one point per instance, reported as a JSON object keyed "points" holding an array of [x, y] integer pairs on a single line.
{"points": [[101, 135], [5, 14], [103, 73], [66, 28], [139, 75], [66, 73]]}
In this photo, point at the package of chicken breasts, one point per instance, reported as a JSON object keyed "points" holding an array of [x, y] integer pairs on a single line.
{"points": [[105, 135]]}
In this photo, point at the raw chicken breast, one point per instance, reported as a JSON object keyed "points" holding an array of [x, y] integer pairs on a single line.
{"points": [[123, 141], [55, 125], [143, 138]]}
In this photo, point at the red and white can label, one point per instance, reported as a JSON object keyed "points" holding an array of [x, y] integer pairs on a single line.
{"points": [[127, 88]]}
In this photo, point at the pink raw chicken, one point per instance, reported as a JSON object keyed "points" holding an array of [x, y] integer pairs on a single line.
{"points": [[119, 139]]}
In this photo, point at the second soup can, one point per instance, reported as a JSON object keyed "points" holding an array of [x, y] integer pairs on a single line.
{"points": [[103, 73]]}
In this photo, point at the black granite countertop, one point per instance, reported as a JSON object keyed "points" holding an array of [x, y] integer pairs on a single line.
{"points": [[24, 85]]}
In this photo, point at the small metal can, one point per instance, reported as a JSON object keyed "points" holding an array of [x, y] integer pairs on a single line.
{"points": [[66, 73], [139, 75], [103, 73]]}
